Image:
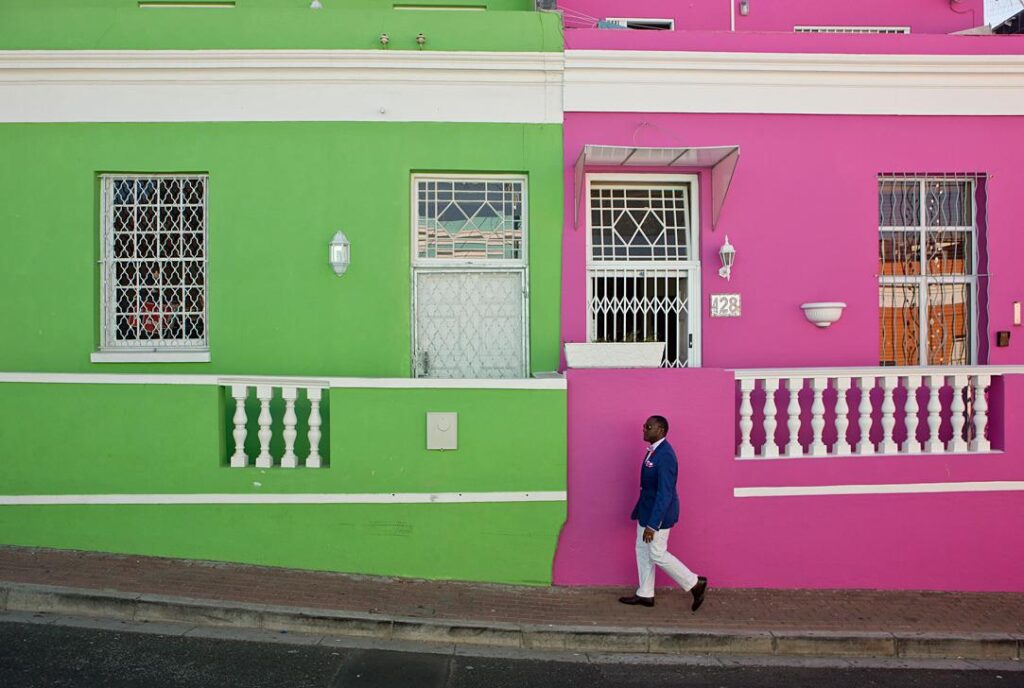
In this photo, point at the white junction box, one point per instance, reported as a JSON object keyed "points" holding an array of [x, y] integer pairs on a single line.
{"points": [[442, 430]]}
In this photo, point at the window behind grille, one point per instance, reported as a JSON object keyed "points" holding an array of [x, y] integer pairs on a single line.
{"points": [[154, 262], [930, 248]]}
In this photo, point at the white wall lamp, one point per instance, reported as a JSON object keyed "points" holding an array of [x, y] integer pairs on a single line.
{"points": [[340, 253], [744, 7], [727, 254]]}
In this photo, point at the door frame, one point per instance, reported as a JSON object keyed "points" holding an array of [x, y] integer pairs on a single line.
{"points": [[436, 265]]}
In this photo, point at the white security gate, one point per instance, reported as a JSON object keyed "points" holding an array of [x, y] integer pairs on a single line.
{"points": [[470, 274], [643, 267], [469, 324]]}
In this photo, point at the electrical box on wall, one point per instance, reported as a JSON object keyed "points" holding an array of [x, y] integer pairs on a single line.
{"points": [[442, 430]]}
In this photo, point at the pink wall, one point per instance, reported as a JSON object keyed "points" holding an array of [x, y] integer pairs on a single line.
{"points": [[923, 16], [951, 541], [802, 214]]}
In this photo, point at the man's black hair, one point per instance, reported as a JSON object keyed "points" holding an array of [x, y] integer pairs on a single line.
{"points": [[661, 422]]}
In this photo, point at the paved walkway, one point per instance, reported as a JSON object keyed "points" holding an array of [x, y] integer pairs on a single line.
{"points": [[974, 617]]}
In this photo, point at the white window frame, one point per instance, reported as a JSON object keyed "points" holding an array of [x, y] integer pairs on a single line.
{"points": [[922, 281], [692, 266], [111, 351], [519, 265]]}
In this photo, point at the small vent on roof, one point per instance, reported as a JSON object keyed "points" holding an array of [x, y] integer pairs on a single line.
{"points": [[851, 29], [635, 23]]}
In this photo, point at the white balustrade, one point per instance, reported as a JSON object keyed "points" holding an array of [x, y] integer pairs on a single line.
{"points": [[771, 422], [957, 420], [842, 447], [289, 394]]}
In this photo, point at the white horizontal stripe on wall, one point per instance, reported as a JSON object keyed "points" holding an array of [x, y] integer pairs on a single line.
{"points": [[215, 498], [545, 383], [279, 85], [658, 81], [902, 488]]}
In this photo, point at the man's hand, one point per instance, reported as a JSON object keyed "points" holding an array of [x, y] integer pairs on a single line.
{"points": [[648, 534]]}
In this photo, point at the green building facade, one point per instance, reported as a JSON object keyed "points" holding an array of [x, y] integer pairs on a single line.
{"points": [[181, 184]]}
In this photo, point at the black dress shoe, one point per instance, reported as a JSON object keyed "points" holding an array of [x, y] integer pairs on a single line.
{"points": [[636, 599], [698, 593]]}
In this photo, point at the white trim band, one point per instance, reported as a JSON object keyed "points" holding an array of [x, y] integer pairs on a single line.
{"points": [[683, 82], [279, 85], [277, 498], [545, 383], [902, 488]]}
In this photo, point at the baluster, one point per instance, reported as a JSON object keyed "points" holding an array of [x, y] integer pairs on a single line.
{"points": [[980, 443], [865, 445], [313, 460], [746, 422], [263, 393], [239, 393], [771, 421], [818, 448], [911, 445], [288, 459], [934, 445], [888, 446], [794, 385], [842, 447], [957, 443]]}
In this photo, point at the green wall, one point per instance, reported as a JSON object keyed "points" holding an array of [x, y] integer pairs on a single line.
{"points": [[163, 439], [275, 24], [277, 193]]}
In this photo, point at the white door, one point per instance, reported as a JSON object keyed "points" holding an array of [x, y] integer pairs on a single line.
{"points": [[469, 273], [470, 324]]}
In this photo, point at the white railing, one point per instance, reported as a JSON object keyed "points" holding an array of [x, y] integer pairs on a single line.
{"points": [[265, 393], [863, 411]]}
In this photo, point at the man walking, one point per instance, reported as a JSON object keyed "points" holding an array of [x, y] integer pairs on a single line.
{"points": [[656, 511]]}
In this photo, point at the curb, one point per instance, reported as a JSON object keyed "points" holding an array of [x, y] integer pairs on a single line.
{"points": [[606, 639]]}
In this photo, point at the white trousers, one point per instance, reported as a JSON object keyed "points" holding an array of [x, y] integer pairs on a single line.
{"points": [[655, 552]]}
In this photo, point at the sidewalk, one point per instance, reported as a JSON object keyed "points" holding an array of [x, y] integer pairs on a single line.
{"points": [[781, 622]]}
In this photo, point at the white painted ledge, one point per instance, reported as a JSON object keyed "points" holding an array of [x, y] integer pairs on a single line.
{"points": [[150, 357], [278, 498], [279, 85], [793, 83], [902, 488], [558, 383]]}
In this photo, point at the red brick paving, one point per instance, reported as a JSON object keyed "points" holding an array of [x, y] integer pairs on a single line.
{"points": [[753, 609]]}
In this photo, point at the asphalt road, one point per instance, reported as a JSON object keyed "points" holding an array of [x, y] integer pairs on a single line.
{"points": [[35, 655]]}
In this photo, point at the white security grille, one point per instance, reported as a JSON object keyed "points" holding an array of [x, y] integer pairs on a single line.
{"points": [[635, 222], [928, 269], [469, 219], [154, 262], [469, 277], [642, 267], [642, 305], [470, 324], [852, 29]]}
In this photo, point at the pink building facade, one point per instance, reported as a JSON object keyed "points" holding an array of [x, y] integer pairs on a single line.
{"points": [[877, 170]]}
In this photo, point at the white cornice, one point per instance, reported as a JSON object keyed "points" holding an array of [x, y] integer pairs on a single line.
{"points": [[653, 81], [279, 85]]}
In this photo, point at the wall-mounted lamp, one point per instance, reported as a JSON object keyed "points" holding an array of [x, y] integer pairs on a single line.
{"points": [[727, 254], [744, 7], [340, 253]]}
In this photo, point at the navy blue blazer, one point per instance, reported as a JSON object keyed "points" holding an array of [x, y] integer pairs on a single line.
{"points": [[658, 505]]}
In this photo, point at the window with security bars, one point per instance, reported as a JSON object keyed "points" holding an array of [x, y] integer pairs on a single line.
{"points": [[928, 269], [154, 262], [642, 266], [469, 219]]}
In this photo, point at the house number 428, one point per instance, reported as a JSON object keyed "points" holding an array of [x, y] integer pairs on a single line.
{"points": [[725, 305]]}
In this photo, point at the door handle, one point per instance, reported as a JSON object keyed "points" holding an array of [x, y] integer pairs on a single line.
{"points": [[425, 362]]}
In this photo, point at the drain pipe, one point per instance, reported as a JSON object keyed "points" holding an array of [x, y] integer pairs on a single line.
{"points": [[732, 15]]}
